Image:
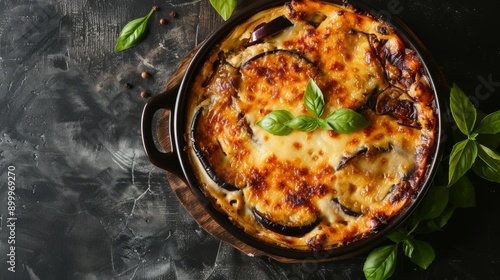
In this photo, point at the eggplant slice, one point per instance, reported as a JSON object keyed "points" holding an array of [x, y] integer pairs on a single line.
{"points": [[345, 209], [345, 160], [296, 231], [268, 29], [204, 162], [316, 18], [277, 51], [396, 58], [363, 151], [399, 105]]}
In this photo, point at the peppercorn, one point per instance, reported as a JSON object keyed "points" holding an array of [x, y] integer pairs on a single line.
{"points": [[163, 21], [144, 94], [173, 14], [144, 74], [129, 86]]}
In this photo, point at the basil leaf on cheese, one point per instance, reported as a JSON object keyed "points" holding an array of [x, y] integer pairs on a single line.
{"points": [[274, 122], [346, 121], [303, 123], [313, 99]]}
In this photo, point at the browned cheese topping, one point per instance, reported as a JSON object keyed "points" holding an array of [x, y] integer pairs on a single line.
{"points": [[321, 189]]}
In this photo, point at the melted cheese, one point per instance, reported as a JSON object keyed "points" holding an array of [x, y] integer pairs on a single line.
{"points": [[348, 184]]}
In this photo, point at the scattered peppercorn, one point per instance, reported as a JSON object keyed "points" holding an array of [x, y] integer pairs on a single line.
{"points": [[129, 86], [144, 94], [163, 21], [144, 74], [173, 14]]}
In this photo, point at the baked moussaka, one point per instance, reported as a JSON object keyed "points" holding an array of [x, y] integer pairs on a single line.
{"points": [[318, 188]]}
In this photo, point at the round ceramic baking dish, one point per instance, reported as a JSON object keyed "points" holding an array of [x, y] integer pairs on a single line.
{"points": [[177, 160]]}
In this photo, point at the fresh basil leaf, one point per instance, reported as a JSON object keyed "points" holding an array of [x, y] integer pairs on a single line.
{"points": [[433, 204], [462, 193], [443, 219], [462, 158], [483, 170], [422, 253], [303, 123], [313, 99], [487, 153], [441, 177], [225, 8], [489, 124], [133, 32], [324, 124], [491, 159], [491, 141], [473, 136], [346, 121], [408, 247], [398, 235], [380, 263], [428, 226], [462, 110], [274, 122]]}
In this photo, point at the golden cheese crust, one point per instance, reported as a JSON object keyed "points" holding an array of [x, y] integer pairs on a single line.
{"points": [[321, 189]]}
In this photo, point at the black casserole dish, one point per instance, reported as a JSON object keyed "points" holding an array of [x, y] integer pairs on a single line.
{"points": [[264, 127]]}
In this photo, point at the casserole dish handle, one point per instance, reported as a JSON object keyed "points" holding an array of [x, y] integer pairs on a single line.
{"points": [[165, 160]]}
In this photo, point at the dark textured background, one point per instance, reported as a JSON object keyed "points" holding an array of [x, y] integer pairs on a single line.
{"points": [[91, 206]]}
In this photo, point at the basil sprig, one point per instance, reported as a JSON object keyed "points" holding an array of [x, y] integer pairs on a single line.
{"points": [[133, 32], [451, 189], [282, 122], [465, 153], [431, 215], [224, 7]]}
